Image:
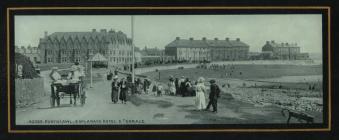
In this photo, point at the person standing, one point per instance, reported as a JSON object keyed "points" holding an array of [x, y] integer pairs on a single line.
{"points": [[123, 91], [181, 85], [176, 86], [171, 86], [115, 90], [213, 97], [200, 100], [145, 86], [189, 89]]}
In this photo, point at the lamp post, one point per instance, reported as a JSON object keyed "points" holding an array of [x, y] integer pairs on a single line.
{"points": [[91, 74], [133, 54]]}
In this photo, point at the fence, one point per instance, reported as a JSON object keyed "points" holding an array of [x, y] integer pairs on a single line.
{"points": [[28, 91]]}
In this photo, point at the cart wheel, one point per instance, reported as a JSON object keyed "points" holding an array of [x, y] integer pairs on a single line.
{"points": [[52, 101]]}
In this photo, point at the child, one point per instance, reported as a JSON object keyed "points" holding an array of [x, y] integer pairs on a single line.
{"points": [[159, 90]]}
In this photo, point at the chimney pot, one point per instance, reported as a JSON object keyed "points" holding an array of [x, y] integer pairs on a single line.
{"points": [[191, 38], [204, 38], [46, 33], [103, 30]]}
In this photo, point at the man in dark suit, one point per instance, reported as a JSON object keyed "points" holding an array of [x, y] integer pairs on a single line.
{"points": [[213, 97]]}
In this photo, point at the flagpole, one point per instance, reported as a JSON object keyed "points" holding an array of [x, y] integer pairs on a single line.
{"points": [[133, 56]]}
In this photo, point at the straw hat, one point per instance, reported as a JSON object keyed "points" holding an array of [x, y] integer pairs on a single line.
{"points": [[201, 79]]}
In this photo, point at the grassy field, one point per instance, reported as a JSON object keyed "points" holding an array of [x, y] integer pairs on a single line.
{"points": [[247, 72]]}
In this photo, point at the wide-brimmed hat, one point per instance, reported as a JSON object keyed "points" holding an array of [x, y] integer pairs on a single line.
{"points": [[212, 81], [201, 79]]}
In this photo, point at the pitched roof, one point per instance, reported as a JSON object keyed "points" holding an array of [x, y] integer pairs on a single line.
{"points": [[98, 57], [273, 44], [100, 36], [183, 43], [187, 43]]}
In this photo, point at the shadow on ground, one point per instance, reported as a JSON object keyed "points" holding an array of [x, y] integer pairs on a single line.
{"points": [[137, 101], [231, 111]]}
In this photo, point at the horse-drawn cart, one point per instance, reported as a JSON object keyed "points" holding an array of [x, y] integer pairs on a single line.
{"points": [[72, 90]]}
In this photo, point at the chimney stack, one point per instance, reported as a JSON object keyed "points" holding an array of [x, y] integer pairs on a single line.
{"points": [[216, 39], [46, 33], [204, 38], [238, 39], [227, 39], [272, 41], [191, 38], [103, 30]]}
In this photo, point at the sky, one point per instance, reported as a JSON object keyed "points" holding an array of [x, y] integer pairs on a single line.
{"points": [[159, 30]]}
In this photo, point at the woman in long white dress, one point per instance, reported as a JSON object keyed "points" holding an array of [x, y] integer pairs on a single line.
{"points": [[200, 100]]}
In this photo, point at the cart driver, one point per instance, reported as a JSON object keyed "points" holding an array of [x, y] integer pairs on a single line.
{"points": [[74, 74], [54, 75]]}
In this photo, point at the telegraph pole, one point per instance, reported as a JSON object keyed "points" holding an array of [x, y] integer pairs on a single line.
{"points": [[133, 53]]}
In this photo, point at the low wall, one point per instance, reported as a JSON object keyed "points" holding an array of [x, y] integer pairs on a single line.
{"points": [[28, 91]]}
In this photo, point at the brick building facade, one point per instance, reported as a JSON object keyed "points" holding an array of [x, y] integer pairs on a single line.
{"points": [[207, 50], [283, 51], [70, 47]]}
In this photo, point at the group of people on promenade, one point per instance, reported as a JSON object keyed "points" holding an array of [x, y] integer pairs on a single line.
{"points": [[181, 87], [119, 90], [200, 101], [185, 87]]}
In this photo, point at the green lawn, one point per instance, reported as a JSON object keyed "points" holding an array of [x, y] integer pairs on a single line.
{"points": [[247, 72]]}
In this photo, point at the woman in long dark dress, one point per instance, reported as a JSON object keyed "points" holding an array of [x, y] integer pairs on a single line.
{"points": [[115, 90], [123, 91]]}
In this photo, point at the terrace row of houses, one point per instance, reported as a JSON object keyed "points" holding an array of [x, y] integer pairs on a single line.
{"points": [[207, 50], [70, 47]]}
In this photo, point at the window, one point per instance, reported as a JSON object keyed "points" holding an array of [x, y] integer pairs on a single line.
{"points": [[64, 59], [77, 59]]}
